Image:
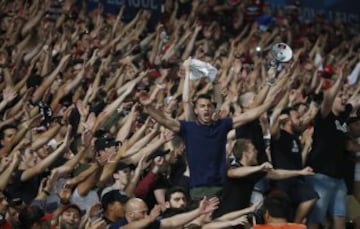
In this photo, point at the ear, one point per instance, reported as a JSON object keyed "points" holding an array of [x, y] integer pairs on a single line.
{"points": [[167, 204], [116, 175]]}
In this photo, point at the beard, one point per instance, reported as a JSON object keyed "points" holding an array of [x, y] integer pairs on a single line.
{"points": [[64, 225]]}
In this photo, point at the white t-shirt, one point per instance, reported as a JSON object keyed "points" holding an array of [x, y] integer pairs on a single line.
{"points": [[85, 202]]}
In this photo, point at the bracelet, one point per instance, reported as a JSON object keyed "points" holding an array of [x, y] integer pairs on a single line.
{"points": [[46, 192]]}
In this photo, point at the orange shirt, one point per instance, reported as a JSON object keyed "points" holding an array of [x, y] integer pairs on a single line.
{"points": [[280, 226]]}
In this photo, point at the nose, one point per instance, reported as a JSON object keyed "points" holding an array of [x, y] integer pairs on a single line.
{"points": [[182, 203], [73, 218]]}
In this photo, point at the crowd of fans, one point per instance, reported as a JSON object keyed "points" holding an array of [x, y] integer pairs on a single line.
{"points": [[103, 126]]}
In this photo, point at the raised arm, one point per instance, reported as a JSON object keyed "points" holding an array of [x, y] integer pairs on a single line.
{"points": [[45, 137], [124, 131], [275, 120], [330, 94], [45, 163], [247, 170], [252, 114], [205, 206], [139, 139], [158, 115], [49, 79], [186, 96], [278, 174], [6, 174], [106, 113]]}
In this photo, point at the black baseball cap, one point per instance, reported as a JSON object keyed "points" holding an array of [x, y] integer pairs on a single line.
{"points": [[105, 142], [158, 153], [122, 165]]}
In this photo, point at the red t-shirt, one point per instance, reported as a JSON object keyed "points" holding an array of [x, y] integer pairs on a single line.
{"points": [[5, 225]]}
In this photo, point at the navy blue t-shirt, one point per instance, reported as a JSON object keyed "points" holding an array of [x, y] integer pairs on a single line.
{"points": [[206, 151]]}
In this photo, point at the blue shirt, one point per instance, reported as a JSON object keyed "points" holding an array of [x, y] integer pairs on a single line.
{"points": [[206, 151]]}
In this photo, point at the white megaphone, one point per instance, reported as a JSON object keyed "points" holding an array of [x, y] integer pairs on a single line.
{"points": [[281, 53]]}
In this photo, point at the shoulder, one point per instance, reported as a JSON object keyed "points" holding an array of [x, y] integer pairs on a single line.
{"points": [[118, 223], [156, 224], [227, 122], [184, 125]]}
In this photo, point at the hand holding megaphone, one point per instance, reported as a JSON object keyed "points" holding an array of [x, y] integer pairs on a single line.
{"points": [[280, 53]]}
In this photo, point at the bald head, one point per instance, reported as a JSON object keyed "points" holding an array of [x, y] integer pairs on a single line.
{"points": [[246, 99], [134, 204], [135, 209]]}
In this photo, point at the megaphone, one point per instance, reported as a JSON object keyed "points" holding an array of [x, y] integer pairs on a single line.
{"points": [[281, 53]]}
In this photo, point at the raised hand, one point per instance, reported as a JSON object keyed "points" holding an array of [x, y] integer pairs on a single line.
{"points": [[159, 161], [94, 210], [155, 212], [167, 135], [144, 98], [97, 224], [65, 192], [82, 108], [90, 122], [141, 165], [50, 182], [86, 137], [9, 94], [208, 205]]}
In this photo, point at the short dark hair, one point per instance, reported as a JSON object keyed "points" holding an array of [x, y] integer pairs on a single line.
{"points": [[6, 127], [30, 215], [278, 205], [240, 146], [112, 197], [203, 96], [173, 190]]}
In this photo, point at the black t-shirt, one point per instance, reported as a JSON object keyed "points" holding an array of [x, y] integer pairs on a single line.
{"points": [[236, 193], [177, 177], [349, 172], [286, 151], [26, 190], [161, 183], [329, 141], [253, 131]]}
